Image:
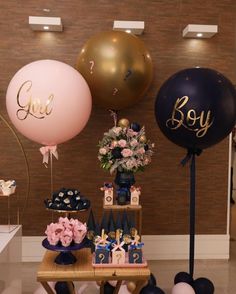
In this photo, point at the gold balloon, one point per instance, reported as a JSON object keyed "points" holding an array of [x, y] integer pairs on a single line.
{"points": [[123, 123], [131, 286], [117, 68], [143, 139]]}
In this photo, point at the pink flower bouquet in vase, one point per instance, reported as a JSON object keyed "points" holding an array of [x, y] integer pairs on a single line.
{"points": [[124, 149]]}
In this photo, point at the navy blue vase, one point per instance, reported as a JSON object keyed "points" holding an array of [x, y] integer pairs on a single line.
{"points": [[124, 180]]}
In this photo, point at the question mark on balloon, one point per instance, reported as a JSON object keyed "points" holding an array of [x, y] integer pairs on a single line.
{"points": [[129, 72], [115, 91], [102, 257], [92, 65], [135, 257]]}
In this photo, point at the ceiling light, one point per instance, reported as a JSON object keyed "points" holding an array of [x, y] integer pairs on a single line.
{"points": [[199, 35], [42, 23], [134, 27], [199, 31]]}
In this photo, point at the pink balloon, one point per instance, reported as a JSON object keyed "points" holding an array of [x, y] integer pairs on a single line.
{"points": [[48, 101], [182, 288]]}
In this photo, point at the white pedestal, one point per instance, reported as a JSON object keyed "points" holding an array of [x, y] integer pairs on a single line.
{"points": [[10, 259]]}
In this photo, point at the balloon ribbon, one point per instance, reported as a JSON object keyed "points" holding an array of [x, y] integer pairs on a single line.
{"points": [[48, 150], [114, 115], [191, 156]]}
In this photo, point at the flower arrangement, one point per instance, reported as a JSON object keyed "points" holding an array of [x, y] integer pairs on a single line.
{"points": [[65, 232], [125, 148]]}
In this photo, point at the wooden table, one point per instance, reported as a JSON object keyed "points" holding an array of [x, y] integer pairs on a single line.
{"points": [[83, 270]]}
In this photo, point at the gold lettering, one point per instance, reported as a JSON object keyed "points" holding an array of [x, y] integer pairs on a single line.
{"points": [[191, 121], [177, 122], [32, 107], [204, 125]]}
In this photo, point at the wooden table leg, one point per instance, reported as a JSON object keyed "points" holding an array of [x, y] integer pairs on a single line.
{"points": [[139, 286], [47, 287], [102, 287], [117, 288]]}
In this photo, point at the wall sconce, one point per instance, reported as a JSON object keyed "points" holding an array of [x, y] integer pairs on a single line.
{"points": [[133, 27], [200, 31], [42, 23]]}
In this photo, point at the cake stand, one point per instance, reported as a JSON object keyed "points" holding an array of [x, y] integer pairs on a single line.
{"points": [[65, 256]]}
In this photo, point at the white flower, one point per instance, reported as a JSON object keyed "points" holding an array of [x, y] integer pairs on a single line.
{"points": [[103, 151], [117, 130]]}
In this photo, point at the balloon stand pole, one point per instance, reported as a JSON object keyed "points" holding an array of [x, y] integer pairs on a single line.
{"points": [[192, 216], [51, 179], [51, 171]]}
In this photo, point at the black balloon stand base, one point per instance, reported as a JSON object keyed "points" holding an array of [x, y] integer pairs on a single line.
{"points": [[65, 258]]}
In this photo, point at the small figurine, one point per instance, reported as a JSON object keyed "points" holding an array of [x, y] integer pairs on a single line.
{"points": [[108, 193], [118, 252], [135, 193], [135, 250], [102, 248], [7, 188]]}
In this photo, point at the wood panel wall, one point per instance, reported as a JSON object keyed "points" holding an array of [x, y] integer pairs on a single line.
{"points": [[165, 184]]}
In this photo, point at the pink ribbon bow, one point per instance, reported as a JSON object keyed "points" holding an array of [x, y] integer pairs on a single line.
{"points": [[133, 188], [46, 151], [118, 246]]}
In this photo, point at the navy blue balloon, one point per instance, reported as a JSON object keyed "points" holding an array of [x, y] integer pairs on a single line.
{"points": [[196, 108], [152, 280], [62, 288], [184, 278], [108, 288], [150, 289], [203, 286], [135, 127]]}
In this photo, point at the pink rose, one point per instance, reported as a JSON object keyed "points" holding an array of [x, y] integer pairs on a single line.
{"points": [[141, 151], [53, 239], [122, 143], [147, 161], [53, 233], [79, 232], [64, 221], [103, 151], [131, 133], [134, 143], [66, 238], [126, 152], [131, 163]]}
